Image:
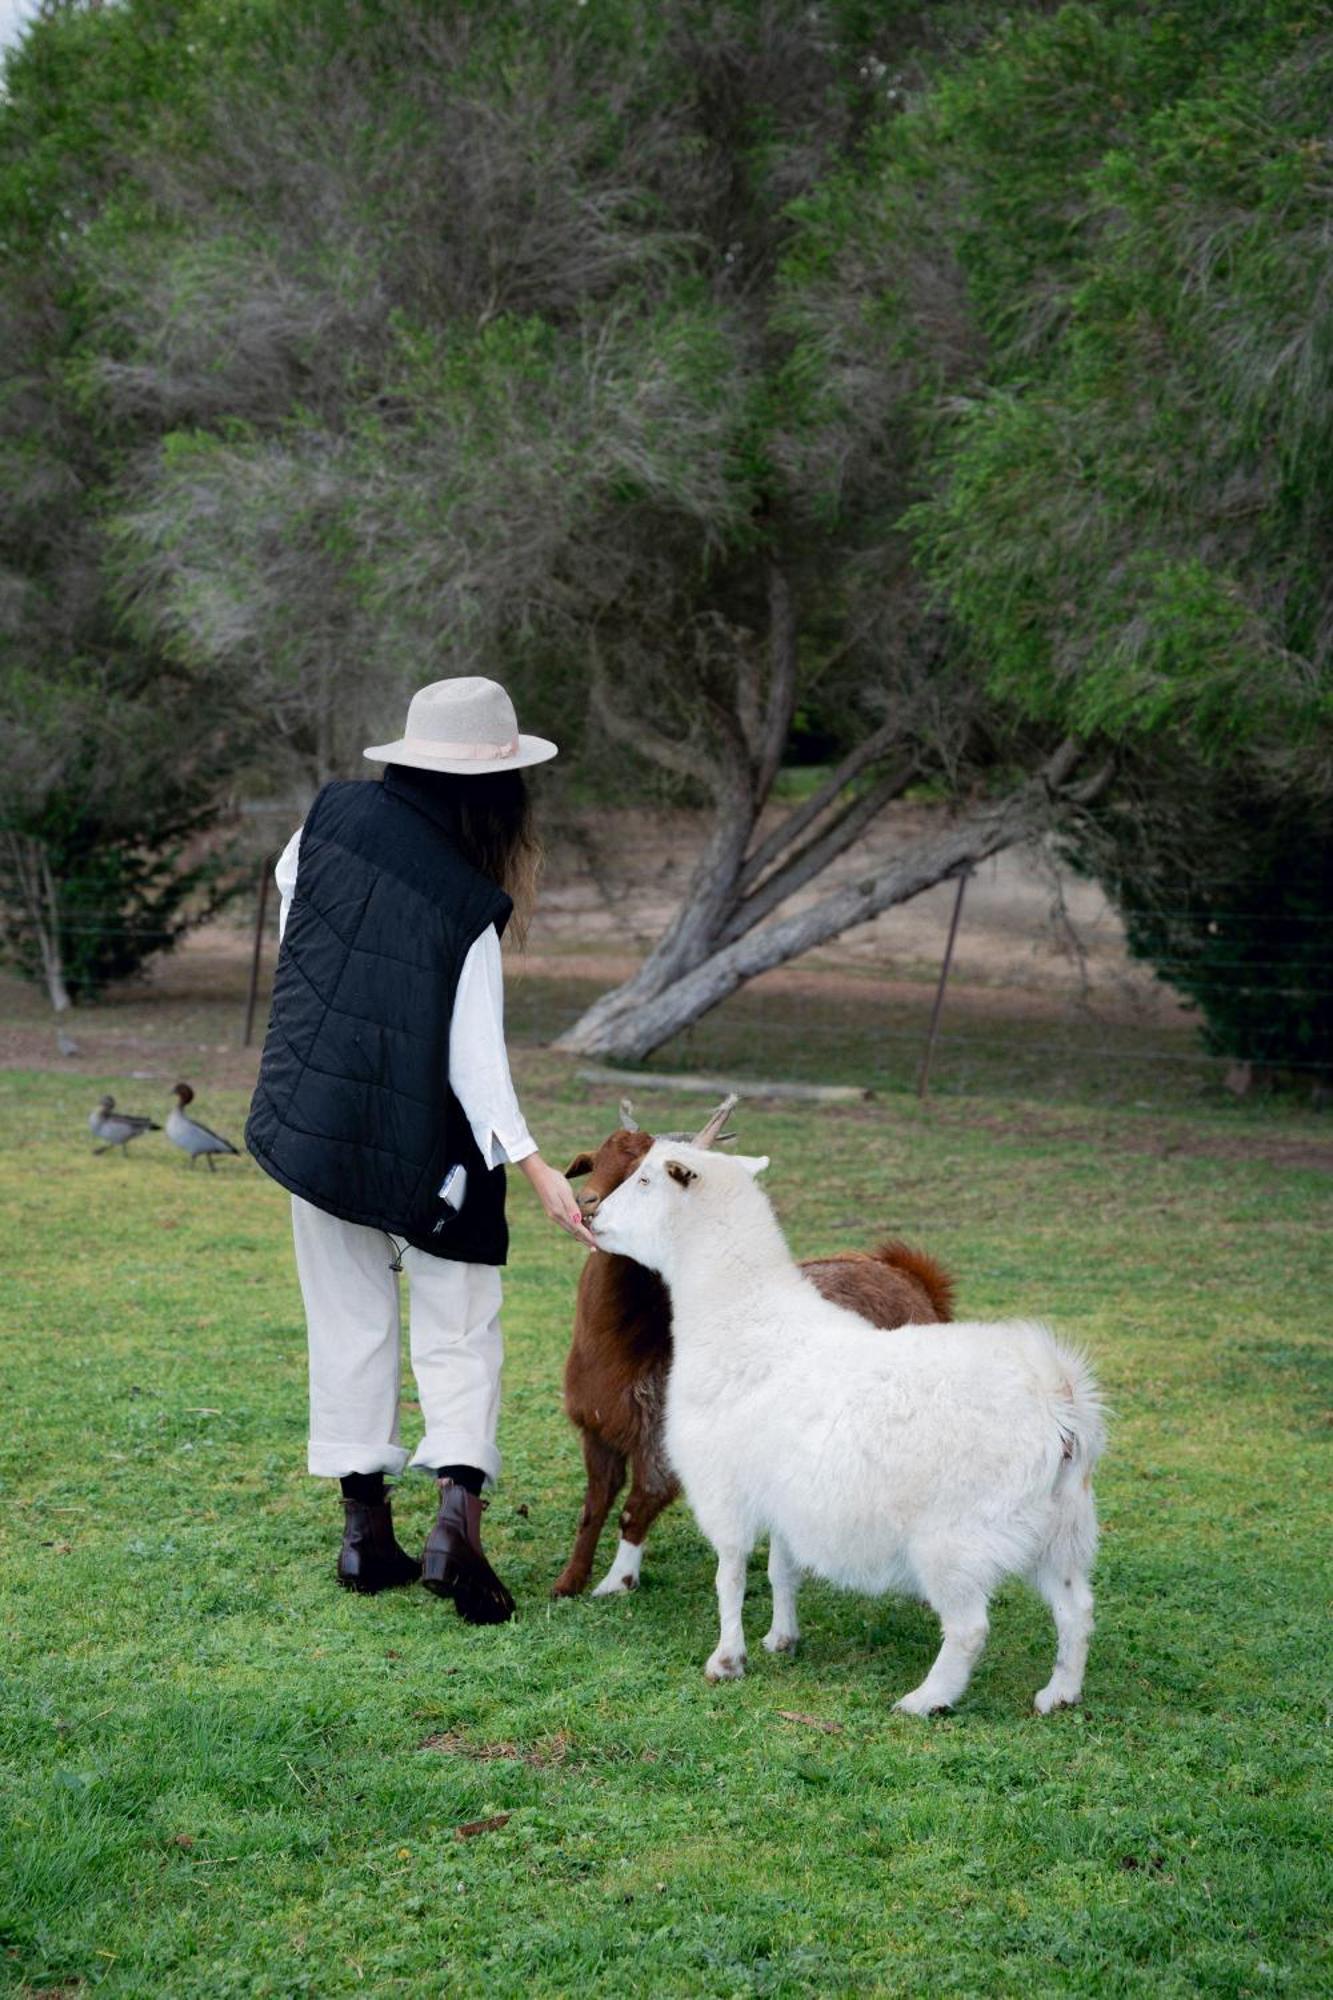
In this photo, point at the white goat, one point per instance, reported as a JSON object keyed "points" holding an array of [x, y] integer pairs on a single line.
{"points": [[936, 1463]]}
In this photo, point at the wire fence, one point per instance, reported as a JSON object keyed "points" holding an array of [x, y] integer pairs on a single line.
{"points": [[1075, 1043]]}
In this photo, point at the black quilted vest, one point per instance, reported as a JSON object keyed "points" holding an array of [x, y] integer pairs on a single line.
{"points": [[353, 1109]]}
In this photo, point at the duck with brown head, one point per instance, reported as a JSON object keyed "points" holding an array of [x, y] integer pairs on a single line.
{"points": [[197, 1141]]}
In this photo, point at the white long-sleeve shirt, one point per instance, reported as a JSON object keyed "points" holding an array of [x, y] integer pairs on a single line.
{"points": [[478, 1062]]}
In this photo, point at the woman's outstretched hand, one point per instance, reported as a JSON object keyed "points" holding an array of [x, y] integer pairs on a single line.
{"points": [[557, 1197]]}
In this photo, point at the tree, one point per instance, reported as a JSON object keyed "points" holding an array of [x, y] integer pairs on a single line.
{"points": [[1085, 362], [517, 373], [115, 762], [670, 361], [1131, 517]]}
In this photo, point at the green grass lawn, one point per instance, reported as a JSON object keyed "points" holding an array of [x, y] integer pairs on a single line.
{"points": [[220, 1775]]}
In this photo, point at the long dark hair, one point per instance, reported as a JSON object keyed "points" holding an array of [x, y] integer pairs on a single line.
{"points": [[489, 817]]}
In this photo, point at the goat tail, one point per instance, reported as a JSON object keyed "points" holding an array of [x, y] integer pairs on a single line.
{"points": [[934, 1280], [1081, 1415], [1070, 1541]]}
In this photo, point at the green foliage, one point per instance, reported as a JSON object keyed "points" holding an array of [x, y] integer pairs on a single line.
{"points": [[219, 1775], [83, 84], [494, 292], [1128, 520], [1085, 269], [356, 344], [125, 894], [1230, 896], [114, 768], [1114, 218], [115, 795]]}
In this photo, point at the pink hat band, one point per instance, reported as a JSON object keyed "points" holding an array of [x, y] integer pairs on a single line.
{"points": [[429, 746]]}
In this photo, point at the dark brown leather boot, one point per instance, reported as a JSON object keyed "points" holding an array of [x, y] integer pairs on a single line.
{"points": [[453, 1563], [370, 1559]]}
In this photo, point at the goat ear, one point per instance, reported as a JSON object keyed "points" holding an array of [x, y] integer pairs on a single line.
{"points": [[753, 1163], [681, 1173], [580, 1164]]}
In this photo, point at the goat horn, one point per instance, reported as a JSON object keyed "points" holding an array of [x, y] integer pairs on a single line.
{"points": [[628, 1122], [710, 1131]]}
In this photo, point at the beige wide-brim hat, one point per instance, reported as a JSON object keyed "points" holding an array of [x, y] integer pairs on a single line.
{"points": [[467, 726]]}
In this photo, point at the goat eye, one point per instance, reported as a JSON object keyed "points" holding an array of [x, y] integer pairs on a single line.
{"points": [[643, 1180]]}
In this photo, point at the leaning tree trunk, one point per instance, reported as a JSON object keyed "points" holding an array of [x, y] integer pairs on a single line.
{"points": [[740, 877], [720, 938], [36, 888]]}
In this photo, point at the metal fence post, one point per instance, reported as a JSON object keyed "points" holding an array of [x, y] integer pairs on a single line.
{"points": [[256, 949], [923, 1075]]}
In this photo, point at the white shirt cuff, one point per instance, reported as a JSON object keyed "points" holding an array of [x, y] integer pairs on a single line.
{"points": [[284, 875]]}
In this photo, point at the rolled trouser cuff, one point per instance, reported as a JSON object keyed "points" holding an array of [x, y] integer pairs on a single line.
{"points": [[338, 1461], [456, 1448]]}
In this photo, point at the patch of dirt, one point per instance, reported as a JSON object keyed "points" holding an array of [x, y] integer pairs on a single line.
{"points": [[544, 1756]]}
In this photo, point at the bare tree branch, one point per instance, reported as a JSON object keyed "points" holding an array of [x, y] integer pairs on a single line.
{"points": [[1092, 787], [640, 736], [803, 816], [781, 683], [812, 859]]}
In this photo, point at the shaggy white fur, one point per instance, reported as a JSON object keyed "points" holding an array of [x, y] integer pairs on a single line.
{"points": [[935, 1463]]}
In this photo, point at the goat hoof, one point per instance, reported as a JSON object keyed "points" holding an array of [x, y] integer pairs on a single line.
{"points": [[781, 1642], [616, 1586], [569, 1586], [918, 1704], [1050, 1698], [722, 1667]]}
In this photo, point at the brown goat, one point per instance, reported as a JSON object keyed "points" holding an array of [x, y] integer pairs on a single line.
{"points": [[616, 1371]]}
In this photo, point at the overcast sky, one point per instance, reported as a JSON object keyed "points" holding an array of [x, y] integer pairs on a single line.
{"points": [[13, 13]]}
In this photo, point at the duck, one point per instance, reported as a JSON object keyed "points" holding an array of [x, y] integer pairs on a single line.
{"points": [[187, 1133], [116, 1128]]}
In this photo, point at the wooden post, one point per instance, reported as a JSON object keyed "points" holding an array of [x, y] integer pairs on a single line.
{"points": [[923, 1075], [261, 911]]}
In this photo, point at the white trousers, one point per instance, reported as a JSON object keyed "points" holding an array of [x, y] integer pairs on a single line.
{"points": [[351, 1304]]}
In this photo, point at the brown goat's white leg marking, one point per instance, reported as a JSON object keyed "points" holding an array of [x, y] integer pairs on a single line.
{"points": [[784, 1579], [624, 1571], [961, 1609], [654, 1488], [727, 1663]]}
